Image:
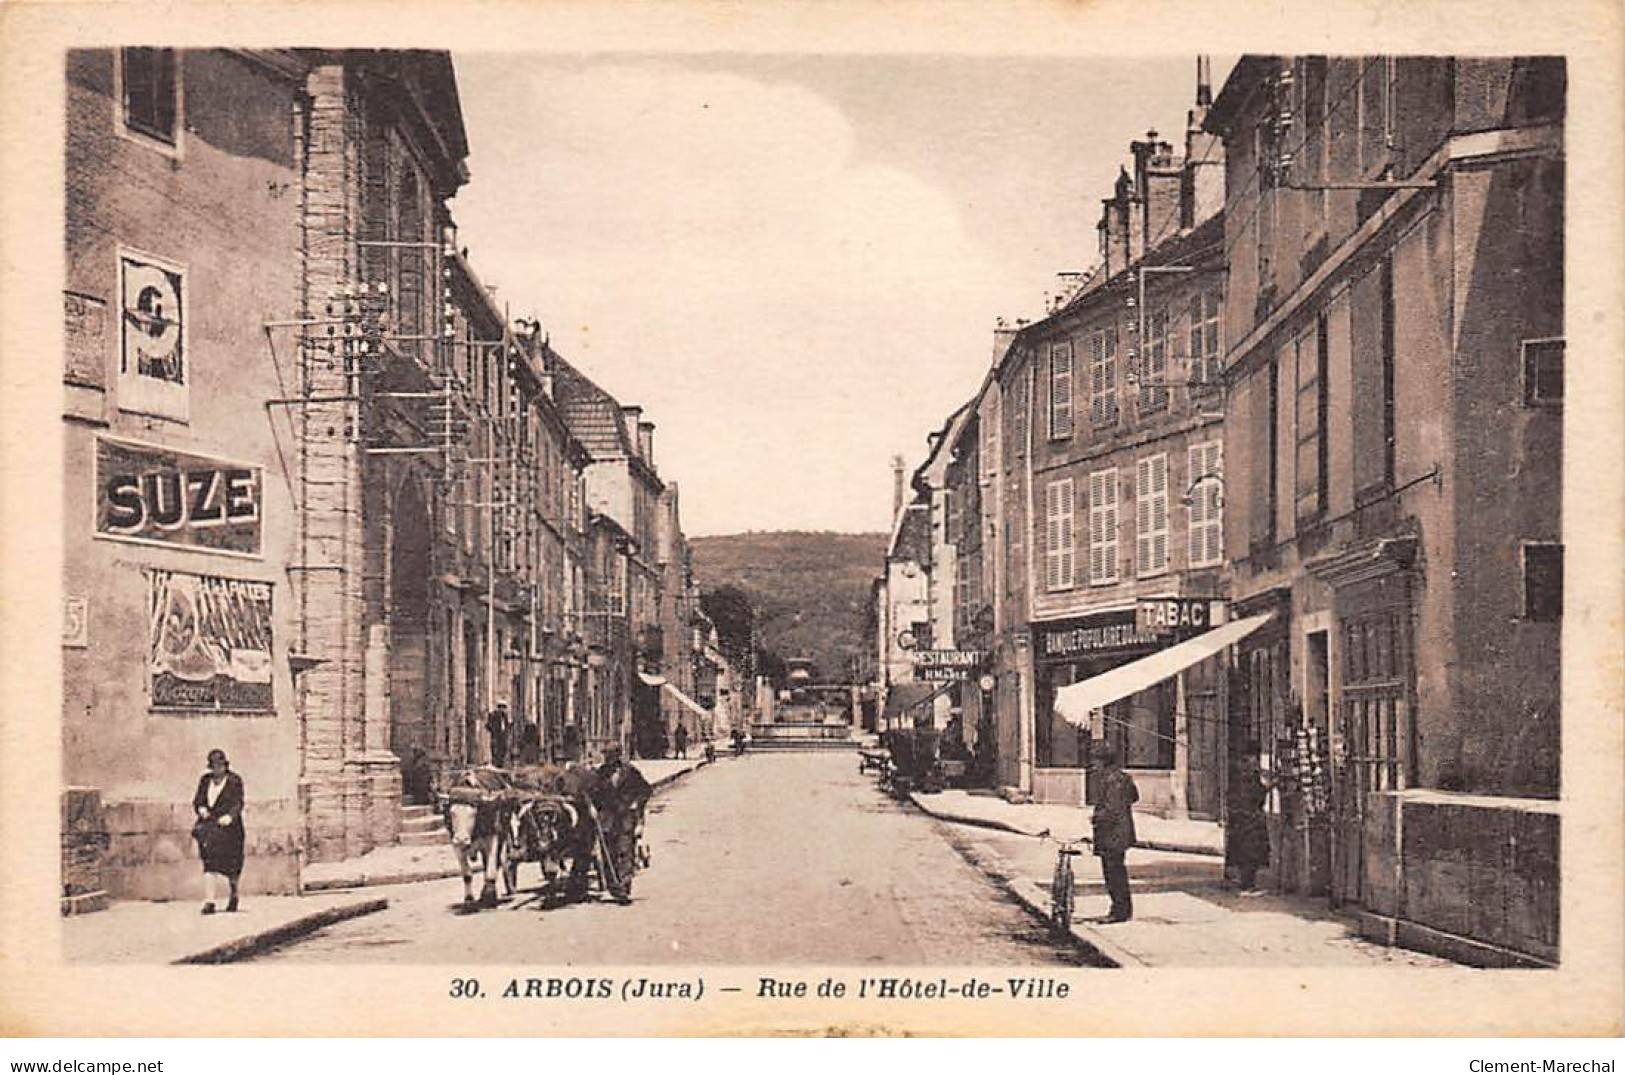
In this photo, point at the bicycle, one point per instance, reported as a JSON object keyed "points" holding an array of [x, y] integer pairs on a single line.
{"points": [[1062, 894]]}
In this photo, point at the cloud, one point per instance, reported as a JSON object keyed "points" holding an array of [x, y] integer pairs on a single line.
{"points": [[712, 246]]}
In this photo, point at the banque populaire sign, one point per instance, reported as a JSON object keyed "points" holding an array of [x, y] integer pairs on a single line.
{"points": [[157, 495]]}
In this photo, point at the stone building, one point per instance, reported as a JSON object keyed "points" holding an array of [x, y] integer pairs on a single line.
{"points": [[1095, 464], [338, 509], [183, 169], [624, 592], [1394, 431]]}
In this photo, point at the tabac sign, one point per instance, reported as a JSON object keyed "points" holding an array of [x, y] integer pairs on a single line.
{"points": [[161, 496], [947, 665], [1179, 615]]}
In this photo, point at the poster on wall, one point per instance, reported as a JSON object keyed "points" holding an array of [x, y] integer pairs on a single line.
{"points": [[157, 495], [152, 372], [210, 642]]}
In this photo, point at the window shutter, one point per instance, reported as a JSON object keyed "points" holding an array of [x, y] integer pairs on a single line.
{"points": [[1109, 521], [1142, 515], [1067, 539], [1060, 372], [1051, 537], [1159, 512]]}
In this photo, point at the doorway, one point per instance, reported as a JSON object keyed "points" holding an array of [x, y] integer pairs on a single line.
{"points": [[411, 732]]}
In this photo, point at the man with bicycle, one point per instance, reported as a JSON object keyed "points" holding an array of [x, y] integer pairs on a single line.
{"points": [[1114, 827]]}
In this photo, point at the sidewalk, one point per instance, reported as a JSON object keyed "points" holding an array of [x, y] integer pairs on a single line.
{"points": [[139, 931], [399, 864], [1184, 915], [1066, 822]]}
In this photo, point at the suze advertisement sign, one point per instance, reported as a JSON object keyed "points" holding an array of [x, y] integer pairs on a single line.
{"points": [[160, 496]]}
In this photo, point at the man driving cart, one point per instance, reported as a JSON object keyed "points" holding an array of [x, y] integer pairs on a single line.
{"points": [[620, 795]]}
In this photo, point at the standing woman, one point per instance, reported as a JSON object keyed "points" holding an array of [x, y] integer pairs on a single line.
{"points": [[219, 828]]}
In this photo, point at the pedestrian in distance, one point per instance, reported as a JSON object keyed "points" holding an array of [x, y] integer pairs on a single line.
{"points": [[1249, 834], [681, 738], [1114, 828], [497, 726], [219, 829]]}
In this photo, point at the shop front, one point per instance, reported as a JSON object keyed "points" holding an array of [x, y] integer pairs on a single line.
{"points": [[1144, 682]]}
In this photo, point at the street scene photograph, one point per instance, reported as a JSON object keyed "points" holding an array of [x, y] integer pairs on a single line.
{"points": [[719, 509]]}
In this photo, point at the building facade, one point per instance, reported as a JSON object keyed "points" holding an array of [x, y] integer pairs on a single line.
{"points": [[338, 507], [180, 615], [1394, 429]]}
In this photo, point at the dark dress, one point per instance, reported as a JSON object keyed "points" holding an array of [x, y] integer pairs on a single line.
{"points": [[1249, 834], [220, 846]]}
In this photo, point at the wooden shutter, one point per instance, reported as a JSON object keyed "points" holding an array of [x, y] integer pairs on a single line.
{"points": [[1060, 391], [1058, 535], [1159, 512], [1103, 526]]}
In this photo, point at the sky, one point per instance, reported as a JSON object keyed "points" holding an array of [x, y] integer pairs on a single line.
{"points": [[794, 264]]}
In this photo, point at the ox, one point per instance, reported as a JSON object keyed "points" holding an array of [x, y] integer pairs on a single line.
{"points": [[480, 828]]}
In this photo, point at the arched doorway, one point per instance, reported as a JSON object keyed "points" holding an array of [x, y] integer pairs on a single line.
{"points": [[411, 729]]}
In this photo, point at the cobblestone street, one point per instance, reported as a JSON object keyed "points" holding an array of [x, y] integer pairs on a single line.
{"points": [[792, 855]]}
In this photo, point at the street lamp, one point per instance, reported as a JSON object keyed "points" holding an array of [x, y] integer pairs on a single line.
{"points": [[1190, 490]]}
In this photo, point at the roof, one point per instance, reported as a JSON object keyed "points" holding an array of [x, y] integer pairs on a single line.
{"points": [[936, 462], [1203, 241], [1244, 78], [594, 416], [911, 540]]}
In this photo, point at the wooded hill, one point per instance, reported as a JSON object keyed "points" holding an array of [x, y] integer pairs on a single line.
{"points": [[808, 589]]}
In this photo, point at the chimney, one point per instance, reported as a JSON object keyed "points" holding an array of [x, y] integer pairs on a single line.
{"points": [[1118, 241], [1158, 177], [646, 442], [896, 485], [1003, 334], [631, 416], [1202, 188]]}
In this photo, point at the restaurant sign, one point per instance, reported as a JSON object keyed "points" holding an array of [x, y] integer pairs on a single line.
{"points": [[209, 642], [947, 665], [157, 495]]}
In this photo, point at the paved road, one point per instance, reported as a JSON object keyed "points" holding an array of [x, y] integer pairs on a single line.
{"points": [[772, 858]]}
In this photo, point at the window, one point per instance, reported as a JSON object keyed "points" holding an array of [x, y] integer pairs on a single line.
{"points": [[1543, 373], [1272, 473], [1154, 372], [1018, 416], [1205, 357], [990, 433], [1103, 376], [1542, 581], [962, 592], [1060, 391], [151, 92], [1206, 499], [1059, 541], [1151, 515], [1103, 527], [1388, 429], [1312, 460]]}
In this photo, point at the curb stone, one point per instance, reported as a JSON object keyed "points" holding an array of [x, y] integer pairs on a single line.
{"points": [[1005, 826], [1034, 899], [267, 939]]}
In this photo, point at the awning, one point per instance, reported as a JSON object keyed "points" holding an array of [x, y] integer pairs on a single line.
{"points": [[652, 681], [906, 696], [1077, 701], [686, 700]]}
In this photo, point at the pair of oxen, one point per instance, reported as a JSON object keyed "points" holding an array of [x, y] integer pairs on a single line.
{"points": [[547, 814]]}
